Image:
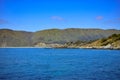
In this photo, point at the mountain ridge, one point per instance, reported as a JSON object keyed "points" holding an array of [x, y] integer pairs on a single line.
{"points": [[15, 38]]}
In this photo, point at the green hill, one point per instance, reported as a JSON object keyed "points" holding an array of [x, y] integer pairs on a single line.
{"points": [[71, 35], [15, 38], [12, 38], [112, 41]]}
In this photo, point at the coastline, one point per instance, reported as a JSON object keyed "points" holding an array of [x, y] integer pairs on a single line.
{"points": [[66, 48]]}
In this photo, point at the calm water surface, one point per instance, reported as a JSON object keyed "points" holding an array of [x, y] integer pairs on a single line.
{"points": [[59, 64]]}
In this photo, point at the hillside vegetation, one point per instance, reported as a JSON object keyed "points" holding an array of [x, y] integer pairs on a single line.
{"points": [[112, 41], [11, 38], [71, 35]]}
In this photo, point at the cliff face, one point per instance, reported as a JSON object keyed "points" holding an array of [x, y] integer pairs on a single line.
{"points": [[11, 38]]}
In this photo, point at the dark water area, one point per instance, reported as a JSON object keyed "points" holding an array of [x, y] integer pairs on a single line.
{"points": [[59, 64]]}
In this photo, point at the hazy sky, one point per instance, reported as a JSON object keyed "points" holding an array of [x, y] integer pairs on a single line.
{"points": [[33, 15]]}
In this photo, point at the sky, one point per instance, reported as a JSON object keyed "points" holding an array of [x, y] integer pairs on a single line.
{"points": [[34, 15]]}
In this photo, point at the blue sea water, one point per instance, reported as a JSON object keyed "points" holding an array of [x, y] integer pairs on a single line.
{"points": [[59, 64]]}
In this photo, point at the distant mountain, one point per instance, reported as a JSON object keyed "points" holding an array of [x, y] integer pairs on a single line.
{"points": [[11, 38]]}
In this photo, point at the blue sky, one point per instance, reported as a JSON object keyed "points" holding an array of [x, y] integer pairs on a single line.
{"points": [[34, 15]]}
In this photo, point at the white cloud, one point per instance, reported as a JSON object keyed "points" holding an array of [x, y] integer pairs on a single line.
{"points": [[57, 18]]}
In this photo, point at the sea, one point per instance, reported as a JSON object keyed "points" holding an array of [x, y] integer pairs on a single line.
{"points": [[59, 64]]}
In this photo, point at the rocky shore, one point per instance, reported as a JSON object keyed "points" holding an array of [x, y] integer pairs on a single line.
{"points": [[87, 46]]}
